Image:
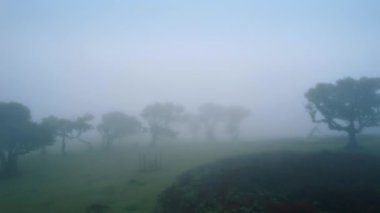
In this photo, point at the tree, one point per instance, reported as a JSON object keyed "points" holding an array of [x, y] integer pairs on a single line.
{"points": [[159, 117], [66, 129], [211, 115], [314, 131], [349, 105], [116, 125], [62, 128], [19, 135], [234, 116], [82, 125]]}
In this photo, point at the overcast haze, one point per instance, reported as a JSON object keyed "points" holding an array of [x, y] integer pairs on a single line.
{"points": [[70, 57]]}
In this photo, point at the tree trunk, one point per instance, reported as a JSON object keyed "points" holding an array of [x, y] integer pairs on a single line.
{"points": [[9, 164], [352, 142], [63, 147], [12, 167], [2, 161]]}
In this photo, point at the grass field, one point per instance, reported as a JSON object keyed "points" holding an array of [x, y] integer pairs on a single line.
{"points": [[54, 183]]}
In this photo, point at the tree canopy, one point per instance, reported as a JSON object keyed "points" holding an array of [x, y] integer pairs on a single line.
{"points": [[19, 135], [211, 115], [69, 129], [116, 125], [348, 105], [159, 117]]}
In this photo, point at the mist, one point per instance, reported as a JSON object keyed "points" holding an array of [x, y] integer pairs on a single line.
{"points": [[173, 106], [68, 58]]}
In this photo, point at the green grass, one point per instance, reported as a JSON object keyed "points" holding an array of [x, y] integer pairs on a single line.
{"points": [[54, 183]]}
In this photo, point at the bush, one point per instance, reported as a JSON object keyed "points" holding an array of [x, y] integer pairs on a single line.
{"points": [[279, 182]]}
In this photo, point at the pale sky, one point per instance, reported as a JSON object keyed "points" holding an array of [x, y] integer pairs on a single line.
{"points": [[70, 57]]}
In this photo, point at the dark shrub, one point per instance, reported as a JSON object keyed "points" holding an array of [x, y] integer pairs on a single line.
{"points": [[279, 182]]}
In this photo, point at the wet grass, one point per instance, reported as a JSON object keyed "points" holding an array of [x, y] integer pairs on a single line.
{"points": [[113, 179]]}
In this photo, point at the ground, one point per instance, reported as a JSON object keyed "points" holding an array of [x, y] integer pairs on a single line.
{"points": [[89, 179], [279, 182]]}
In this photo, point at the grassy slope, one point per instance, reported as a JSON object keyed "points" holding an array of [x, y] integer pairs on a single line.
{"points": [[68, 184]]}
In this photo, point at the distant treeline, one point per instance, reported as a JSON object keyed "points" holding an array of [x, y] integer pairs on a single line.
{"points": [[349, 105]]}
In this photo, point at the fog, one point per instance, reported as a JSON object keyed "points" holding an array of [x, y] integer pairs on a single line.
{"points": [[67, 58]]}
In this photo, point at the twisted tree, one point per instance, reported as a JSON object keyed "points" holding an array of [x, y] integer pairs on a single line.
{"points": [[66, 129], [349, 105]]}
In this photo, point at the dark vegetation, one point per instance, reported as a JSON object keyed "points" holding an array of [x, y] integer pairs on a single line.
{"points": [[18, 136], [279, 182], [97, 208]]}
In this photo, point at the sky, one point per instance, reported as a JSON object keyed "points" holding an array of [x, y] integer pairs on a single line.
{"points": [[66, 58]]}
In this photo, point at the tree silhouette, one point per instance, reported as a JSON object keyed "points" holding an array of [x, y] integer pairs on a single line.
{"points": [[348, 105], [19, 135], [159, 117], [116, 125], [211, 115], [234, 116], [82, 125], [66, 129]]}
